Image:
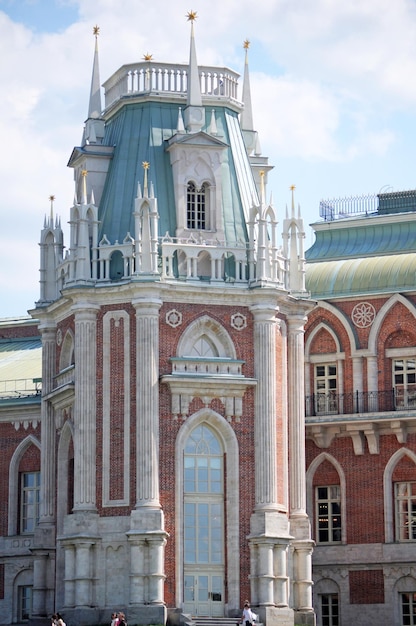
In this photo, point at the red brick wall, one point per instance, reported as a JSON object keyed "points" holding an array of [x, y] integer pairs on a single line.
{"points": [[364, 482], [366, 587]]}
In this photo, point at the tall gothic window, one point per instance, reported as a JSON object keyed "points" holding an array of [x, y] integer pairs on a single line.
{"points": [[197, 207]]}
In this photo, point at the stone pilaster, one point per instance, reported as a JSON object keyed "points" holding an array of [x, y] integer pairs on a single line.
{"points": [[265, 324], [147, 400], [302, 544], [44, 540], [147, 536]]}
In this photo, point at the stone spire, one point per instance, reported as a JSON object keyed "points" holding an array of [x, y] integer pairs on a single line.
{"points": [[293, 249], [94, 126], [194, 111], [251, 139]]}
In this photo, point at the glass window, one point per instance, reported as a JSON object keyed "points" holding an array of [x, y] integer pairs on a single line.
{"points": [[404, 382], [329, 609], [326, 398], [405, 500], [328, 514], [408, 607], [25, 603], [203, 498], [30, 498], [196, 207]]}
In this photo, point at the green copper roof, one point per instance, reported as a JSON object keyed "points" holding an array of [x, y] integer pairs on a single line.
{"points": [[366, 236], [350, 277], [20, 363], [139, 132]]}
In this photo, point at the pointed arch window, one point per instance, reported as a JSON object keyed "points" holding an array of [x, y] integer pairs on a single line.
{"points": [[197, 216]]}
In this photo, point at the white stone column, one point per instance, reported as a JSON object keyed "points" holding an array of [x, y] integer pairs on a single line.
{"points": [[372, 382], [137, 575], [69, 579], [48, 431], [85, 408], [147, 536], [302, 543], [296, 405], [147, 402], [83, 579], [281, 578], [44, 541], [358, 382], [265, 326], [266, 574]]}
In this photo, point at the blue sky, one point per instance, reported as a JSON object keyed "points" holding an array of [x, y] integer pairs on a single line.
{"points": [[333, 91]]}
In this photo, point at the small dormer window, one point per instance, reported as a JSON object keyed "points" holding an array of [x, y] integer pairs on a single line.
{"points": [[197, 207]]}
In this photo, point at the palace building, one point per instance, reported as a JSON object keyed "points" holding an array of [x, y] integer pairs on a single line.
{"points": [[198, 412], [159, 466]]}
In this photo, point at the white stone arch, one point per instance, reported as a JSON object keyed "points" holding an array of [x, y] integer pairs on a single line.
{"points": [[338, 356], [310, 498], [228, 439], [321, 586], [204, 264], [377, 324], [388, 490], [404, 584], [67, 435], [23, 578], [14, 480], [313, 334], [67, 356], [215, 333], [346, 323]]}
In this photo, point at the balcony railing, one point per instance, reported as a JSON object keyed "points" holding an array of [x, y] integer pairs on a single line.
{"points": [[20, 388], [358, 402]]}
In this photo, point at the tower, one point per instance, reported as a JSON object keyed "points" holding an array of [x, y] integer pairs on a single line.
{"points": [[173, 361]]}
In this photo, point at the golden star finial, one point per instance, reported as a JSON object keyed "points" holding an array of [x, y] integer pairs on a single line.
{"points": [[147, 56], [191, 15], [146, 165], [246, 44], [96, 30], [262, 172], [84, 173], [51, 198], [292, 187]]}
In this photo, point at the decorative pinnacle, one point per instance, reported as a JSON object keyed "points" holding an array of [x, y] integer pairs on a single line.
{"points": [[148, 57], [51, 198], [246, 44], [84, 173], [146, 166], [96, 30], [292, 187], [191, 15]]}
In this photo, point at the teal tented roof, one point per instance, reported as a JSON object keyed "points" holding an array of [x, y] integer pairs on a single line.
{"points": [[139, 132], [20, 367]]}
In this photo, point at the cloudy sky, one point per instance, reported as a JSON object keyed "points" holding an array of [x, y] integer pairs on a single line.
{"points": [[333, 90]]}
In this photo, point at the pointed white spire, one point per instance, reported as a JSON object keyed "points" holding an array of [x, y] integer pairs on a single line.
{"points": [[180, 127], [92, 198], [246, 120], [213, 124], [146, 166], [194, 89], [84, 187], [94, 108], [194, 112]]}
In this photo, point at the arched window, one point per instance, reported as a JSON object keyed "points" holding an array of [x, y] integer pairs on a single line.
{"points": [[197, 207]]}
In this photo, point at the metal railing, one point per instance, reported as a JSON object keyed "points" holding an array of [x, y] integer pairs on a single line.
{"points": [[338, 208], [358, 402], [20, 388]]}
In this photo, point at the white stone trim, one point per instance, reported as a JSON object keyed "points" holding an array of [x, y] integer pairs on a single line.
{"points": [[310, 498], [108, 317], [388, 490], [14, 481]]}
